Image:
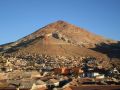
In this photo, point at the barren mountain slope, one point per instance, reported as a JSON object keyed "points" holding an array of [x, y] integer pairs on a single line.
{"points": [[73, 33], [58, 38]]}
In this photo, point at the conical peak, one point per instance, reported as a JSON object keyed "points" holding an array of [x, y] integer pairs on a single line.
{"points": [[68, 31], [59, 24]]}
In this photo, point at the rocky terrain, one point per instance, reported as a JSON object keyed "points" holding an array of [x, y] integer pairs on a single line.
{"points": [[61, 39], [59, 47]]}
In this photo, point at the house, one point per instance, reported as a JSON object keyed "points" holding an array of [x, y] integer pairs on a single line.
{"points": [[38, 87], [115, 71], [9, 69], [35, 74], [63, 70], [27, 84], [101, 76], [92, 72], [93, 75]]}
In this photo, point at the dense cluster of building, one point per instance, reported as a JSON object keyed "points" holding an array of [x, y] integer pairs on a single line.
{"points": [[48, 71]]}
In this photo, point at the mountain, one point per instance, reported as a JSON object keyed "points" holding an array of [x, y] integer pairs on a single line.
{"points": [[59, 39]]}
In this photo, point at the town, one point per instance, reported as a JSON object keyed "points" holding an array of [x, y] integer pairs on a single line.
{"points": [[32, 72]]}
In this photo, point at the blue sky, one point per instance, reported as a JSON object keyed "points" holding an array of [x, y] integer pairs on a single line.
{"points": [[19, 18]]}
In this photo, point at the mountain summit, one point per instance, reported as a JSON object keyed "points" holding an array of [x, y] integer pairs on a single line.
{"points": [[58, 38], [65, 31]]}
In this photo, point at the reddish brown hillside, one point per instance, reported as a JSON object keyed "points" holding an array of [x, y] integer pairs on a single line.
{"points": [[75, 34], [58, 38]]}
